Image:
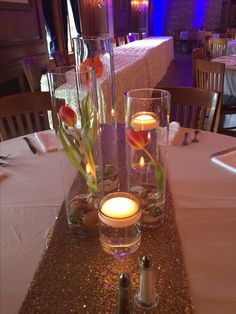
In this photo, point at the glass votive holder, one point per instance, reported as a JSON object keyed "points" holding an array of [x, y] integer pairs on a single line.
{"points": [[119, 223]]}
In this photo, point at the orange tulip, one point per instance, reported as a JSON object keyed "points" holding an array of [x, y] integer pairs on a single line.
{"points": [[136, 139], [68, 116], [96, 63]]}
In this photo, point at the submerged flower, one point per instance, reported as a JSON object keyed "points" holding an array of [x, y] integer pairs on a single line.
{"points": [[68, 115], [98, 65], [136, 139], [95, 63]]}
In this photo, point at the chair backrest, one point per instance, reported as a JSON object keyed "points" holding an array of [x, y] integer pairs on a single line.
{"points": [[114, 44], [33, 68], [130, 38], [25, 113], [121, 40], [206, 37], [217, 47], [210, 75], [61, 58], [197, 53], [136, 35], [144, 35], [193, 107]]}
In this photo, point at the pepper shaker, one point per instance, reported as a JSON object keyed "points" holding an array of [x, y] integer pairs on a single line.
{"points": [[146, 296], [124, 295]]}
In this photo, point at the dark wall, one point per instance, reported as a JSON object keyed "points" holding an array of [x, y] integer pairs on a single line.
{"points": [[121, 17], [21, 34]]}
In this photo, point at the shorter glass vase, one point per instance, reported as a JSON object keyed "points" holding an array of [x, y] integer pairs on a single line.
{"points": [[146, 144]]}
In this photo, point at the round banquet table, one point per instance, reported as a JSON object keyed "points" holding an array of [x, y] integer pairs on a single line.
{"points": [[204, 197]]}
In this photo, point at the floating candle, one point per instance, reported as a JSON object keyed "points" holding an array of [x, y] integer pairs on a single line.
{"points": [[119, 210], [144, 121]]}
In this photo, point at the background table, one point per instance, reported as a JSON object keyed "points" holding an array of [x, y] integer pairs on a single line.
{"points": [[204, 198], [231, 48], [139, 64]]}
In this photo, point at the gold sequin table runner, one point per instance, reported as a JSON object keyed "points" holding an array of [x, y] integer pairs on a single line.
{"points": [[77, 276]]}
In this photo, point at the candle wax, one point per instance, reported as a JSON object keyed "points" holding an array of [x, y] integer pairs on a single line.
{"points": [[119, 207], [144, 121]]}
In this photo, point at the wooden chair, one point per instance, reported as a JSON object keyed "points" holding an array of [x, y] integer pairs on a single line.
{"points": [[121, 40], [144, 35], [136, 36], [25, 113], [193, 107], [197, 53], [217, 47], [34, 67], [193, 39], [206, 37], [130, 38], [176, 38], [113, 42], [61, 58], [210, 75]]}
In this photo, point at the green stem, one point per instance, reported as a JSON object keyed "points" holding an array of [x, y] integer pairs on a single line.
{"points": [[158, 171]]}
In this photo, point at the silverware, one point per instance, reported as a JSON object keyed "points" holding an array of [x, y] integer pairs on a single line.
{"points": [[185, 141], [30, 145], [2, 157], [195, 139], [3, 164], [222, 152]]}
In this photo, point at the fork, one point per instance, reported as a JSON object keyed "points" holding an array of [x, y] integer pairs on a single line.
{"points": [[2, 157]]}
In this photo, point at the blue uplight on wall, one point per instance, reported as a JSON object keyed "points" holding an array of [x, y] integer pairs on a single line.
{"points": [[199, 12], [158, 17]]}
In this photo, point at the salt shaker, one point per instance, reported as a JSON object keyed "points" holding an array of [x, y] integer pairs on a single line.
{"points": [[146, 296], [124, 295]]}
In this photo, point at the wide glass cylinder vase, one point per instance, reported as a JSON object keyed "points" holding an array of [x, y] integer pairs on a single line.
{"points": [[146, 131], [74, 100], [97, 53]]}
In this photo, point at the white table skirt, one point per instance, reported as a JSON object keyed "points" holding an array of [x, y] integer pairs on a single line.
{"points": [[203, 194], [230, 74], [231, 48]]}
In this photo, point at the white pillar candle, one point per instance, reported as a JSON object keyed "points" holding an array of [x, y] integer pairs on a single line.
{"points": [[144, 121], [120, 210]]}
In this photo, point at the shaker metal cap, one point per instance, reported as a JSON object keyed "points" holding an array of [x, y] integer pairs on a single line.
{"points": [[146, 262], [124, 280]]}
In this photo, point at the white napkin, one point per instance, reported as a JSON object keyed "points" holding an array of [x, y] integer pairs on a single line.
{"points": [[48, 141], [174, 128], [226, 159]]}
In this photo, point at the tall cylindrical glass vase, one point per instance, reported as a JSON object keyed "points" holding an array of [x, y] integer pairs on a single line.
{"points": [[98, 54], [146, 114], [74, 100]]}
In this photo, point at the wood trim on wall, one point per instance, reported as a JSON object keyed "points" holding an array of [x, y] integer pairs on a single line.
{"points": [[15, 4], [17, 43]]}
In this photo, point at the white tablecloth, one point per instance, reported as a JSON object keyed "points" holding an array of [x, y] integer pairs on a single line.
{"points": [[230, 74], [231, 48], [203, 194]]}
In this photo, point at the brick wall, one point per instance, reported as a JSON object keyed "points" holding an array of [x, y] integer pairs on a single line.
{"points": [[181, 14]]}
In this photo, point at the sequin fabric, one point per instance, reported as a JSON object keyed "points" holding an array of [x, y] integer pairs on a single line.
{"points": [[77, 276]]}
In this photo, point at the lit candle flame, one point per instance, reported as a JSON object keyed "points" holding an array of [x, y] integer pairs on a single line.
{"points": [[112, 112], [149, 136], [141, 162], [88, 169]]}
